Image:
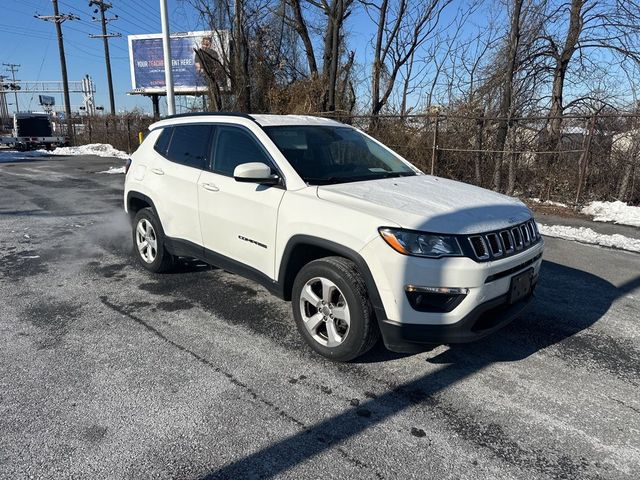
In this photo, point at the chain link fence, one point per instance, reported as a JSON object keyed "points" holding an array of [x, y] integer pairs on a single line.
{"points": [[120, 131], [597, 157]]}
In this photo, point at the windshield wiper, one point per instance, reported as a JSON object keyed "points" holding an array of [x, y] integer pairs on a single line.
{"points": [[327, 180], [396, 174], [384, 175], [360, 178]]}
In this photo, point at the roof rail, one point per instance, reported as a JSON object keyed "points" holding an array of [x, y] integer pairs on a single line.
{"points": [[200, 114]]}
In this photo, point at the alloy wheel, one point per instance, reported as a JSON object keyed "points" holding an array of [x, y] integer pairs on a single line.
{"points": [[146, 240], [325, 312]]}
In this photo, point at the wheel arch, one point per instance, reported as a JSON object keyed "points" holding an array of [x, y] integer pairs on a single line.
{"points": [[136, 201], [302, 249]]}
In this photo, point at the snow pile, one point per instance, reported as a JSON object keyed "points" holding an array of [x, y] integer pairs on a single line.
{"points": [[7, 156], [617, 212], [114, 170], [586, 235], [99, 149], [548, 202]]}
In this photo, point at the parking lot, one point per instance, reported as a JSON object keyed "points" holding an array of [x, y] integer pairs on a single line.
{"points": [[108, 371]]}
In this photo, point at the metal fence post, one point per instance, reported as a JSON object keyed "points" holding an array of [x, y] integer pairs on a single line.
{"points": [[478, 147], [584, 156], [512, 172], [128, 135], [434, 148]]}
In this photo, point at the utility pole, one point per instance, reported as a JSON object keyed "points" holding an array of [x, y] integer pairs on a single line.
{"points": [[58, 19], [166, 50], [102, 8], [4, 111], [13, 68]]}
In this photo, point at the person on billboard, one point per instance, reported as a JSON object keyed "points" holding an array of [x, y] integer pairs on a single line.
{"points": [[206, 57], [209, 66]]}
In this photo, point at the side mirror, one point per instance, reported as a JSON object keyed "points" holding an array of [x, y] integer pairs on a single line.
{"points": [[255, 172]]}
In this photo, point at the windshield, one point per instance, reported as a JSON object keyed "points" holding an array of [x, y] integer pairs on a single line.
{"points": [[324, 155]]}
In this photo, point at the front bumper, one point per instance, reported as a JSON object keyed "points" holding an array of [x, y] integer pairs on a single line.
{"points": [[481, 321], [484, 310]]}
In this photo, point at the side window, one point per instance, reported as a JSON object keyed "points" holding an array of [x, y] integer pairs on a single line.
{"points": [[234, 147], [162, 143], [189, 145]]}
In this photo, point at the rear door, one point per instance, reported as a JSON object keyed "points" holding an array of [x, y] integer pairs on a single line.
{"points": [[238, 220], [182, 151]]}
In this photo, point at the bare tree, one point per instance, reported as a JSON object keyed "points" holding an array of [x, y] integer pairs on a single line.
{"points": [[591, 25], [240, 81], [505, 112], [299, 23], [402, 27]]}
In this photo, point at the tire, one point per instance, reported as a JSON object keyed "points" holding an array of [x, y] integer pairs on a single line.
{"points": [[146, 228], [337, 282]]}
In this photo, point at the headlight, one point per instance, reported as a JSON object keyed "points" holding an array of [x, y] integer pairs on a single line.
{"points": [[421, 244]]}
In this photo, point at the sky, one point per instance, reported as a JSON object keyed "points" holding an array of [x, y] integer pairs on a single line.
{"points": [[31, 42]]}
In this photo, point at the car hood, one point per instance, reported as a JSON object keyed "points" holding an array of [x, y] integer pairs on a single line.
{"points": [[429, 204]]}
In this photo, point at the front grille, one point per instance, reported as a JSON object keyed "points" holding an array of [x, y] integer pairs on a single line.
{"points": [[504, 243], [495, 244], [507, 241], [479, 246]]}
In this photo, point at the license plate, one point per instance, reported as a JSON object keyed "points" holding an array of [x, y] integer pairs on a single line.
{"points": [[520, 286]]}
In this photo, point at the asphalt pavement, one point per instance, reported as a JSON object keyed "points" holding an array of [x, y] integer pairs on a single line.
{"points": [[109, 371]]}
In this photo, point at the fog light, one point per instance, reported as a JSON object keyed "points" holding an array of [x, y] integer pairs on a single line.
{"points": [[434, 299]]}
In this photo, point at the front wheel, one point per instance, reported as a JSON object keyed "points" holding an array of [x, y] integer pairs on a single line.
{"points": [[332, 309]]}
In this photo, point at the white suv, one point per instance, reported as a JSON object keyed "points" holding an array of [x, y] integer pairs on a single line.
{"points": [[362, 242]]}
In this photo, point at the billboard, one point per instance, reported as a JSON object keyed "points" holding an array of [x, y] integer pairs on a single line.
{"points": [[46, 100], [146, 60]]}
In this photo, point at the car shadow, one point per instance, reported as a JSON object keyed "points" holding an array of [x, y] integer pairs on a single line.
{"points": [[190, 265], [567, 302]]}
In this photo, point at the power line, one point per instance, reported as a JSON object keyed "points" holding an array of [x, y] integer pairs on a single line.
{"points": [[22, 32], [102, 7], [86, 22], [142, 22], [58, 20], [90, 33], [44, 56]]}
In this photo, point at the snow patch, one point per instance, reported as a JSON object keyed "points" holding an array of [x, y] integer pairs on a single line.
{"points": [[586, 235], [114, 170], [98, 149], [548, 202], [616, 212], [7, 156]]}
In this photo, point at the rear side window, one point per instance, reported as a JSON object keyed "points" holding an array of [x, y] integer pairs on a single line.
{"points": [[162, 143], [190, 145], [234, 147]]}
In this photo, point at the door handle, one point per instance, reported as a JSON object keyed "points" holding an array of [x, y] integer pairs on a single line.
{"points": [[157, 171], [211, 187]]}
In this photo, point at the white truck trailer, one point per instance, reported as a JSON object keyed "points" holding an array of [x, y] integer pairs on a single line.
{"points": [[32, 131]]}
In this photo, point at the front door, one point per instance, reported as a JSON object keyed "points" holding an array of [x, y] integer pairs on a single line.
{"points": [[238, 220]]}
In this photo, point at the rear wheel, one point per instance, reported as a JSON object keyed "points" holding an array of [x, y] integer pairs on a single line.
{"points": [[332, 309], [148, 240]]}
